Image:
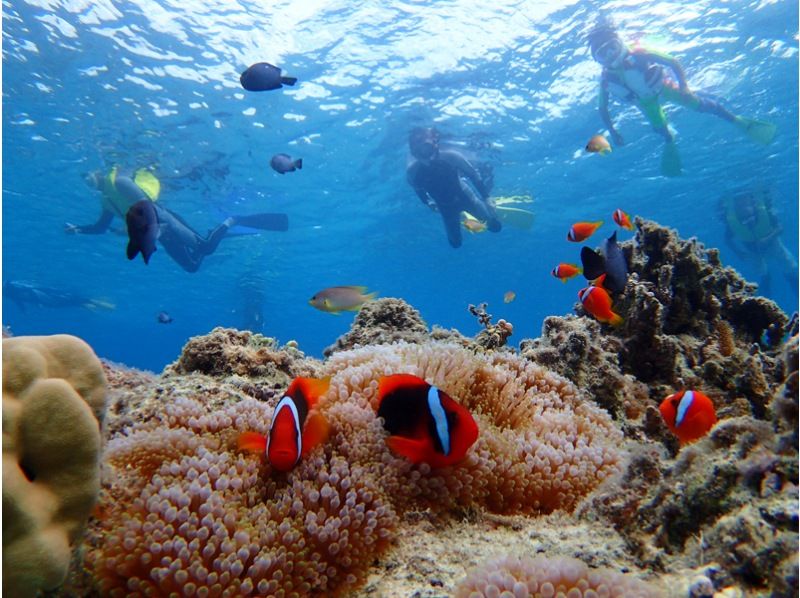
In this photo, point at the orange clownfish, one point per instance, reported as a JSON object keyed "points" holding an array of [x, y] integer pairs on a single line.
{"points": [[566, 271], [597, 301], [689, 414], [598, 144], [623, 219], [296, 428], [425, 425], [580, 231]]}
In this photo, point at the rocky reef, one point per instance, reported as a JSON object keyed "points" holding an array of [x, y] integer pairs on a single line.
{"points": [[574, 487]]}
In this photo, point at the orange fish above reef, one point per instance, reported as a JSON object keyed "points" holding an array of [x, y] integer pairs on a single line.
{"points": [[580, 231], [566, 271], [335, 300], [424, 423], [597, 301], [598, 144], [623, 219], [689, 414], [297, 427], [509, 296]]}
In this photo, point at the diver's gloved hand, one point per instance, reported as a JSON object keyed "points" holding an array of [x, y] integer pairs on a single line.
{"points": [[71, 229], [617, 138]]}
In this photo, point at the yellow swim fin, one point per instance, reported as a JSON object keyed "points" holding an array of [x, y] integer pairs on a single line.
{"points": [[671, 160], [516, 217], [757, 130], [503, 200]]}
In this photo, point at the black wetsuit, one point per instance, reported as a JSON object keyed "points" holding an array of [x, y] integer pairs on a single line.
{"points": [[451, 183]]}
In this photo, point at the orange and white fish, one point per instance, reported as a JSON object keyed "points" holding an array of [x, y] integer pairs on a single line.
{"points": [[296, 428], [580, 231], [596, 301], [509, 296], [335, 300], [598, 144], [689, 414], [473, 225], [566, 271], [623, 219], [424, 423]]}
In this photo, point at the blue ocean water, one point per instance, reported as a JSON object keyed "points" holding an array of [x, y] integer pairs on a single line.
{"points": [[87, 85]]}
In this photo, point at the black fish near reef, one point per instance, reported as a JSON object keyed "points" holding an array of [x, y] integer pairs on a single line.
{"points": [[611, 263], [283, 163], [263, 76], [142, 222]]}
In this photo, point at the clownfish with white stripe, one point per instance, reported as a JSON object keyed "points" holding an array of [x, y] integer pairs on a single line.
{"points": [[297, 426], [425, 425], [689, 414]]}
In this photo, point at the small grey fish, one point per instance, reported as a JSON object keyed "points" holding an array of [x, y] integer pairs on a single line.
{"points": [[284, 163], [164, 318]]}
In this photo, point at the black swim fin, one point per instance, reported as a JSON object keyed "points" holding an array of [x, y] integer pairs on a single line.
{"points": [[265, 221], [594, 264]]}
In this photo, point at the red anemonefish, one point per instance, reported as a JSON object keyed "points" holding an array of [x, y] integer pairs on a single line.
{"points": [[296, 428], [424, 423], [566, 271], [689, 414], [622, 219], [580, 231], [596, 300]]}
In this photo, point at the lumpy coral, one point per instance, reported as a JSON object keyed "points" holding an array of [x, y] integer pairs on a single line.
{"points": [[182, 508], [525, 577], [53, 406]]}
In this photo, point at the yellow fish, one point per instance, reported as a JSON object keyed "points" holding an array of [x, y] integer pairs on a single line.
{"points": [[335, 300]]}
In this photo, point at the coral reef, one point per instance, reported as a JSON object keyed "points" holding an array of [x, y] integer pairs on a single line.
{"points": [[493, 336], [53, 407], [540, 576], [180, 505], [381, 322]]}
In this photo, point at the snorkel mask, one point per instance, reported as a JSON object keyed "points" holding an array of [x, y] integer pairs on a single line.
{"points": [[610, 53], [423, 143]]}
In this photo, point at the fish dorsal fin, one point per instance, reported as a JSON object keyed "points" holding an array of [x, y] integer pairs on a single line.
{"points": [[395, 382], [308, 390], [598, 282]]}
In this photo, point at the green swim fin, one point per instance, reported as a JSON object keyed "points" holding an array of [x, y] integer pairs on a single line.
{"points": [[671, 160], [757, 130], [266, 221], [516, 217]]}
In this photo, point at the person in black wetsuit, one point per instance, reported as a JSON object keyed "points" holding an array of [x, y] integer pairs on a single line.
{"points": [[121, 192], [447, 182]]}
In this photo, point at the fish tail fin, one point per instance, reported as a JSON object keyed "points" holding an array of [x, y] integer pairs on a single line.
{"points": [[299, 163], [252, 442], [288, 80], [311, 388], [413, 450], [371, 296], [315, 431]]}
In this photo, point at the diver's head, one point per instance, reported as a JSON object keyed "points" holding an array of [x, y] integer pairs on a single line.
{"points": [[607, 46], [423, 143], [93, 179]]}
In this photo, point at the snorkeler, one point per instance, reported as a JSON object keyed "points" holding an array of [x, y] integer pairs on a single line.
{"points": [[639, 76], [133, 198], [447, 182], [752, 230]]}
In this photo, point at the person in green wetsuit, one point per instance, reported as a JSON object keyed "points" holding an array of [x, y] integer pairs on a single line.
{"points": [[648, 79], [752, 231], [121, 190]]}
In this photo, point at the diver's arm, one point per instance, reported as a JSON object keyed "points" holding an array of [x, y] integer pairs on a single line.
{"points": [[129, 190], [411, 177], [670, 62], [467, 169], [425, 198], [605, 116], [98, 228]]}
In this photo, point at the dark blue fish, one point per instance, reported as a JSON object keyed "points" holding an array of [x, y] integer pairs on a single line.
{"points": [[283, 163], [263, 76], [142, 222], [611, 263], [164, 318]]}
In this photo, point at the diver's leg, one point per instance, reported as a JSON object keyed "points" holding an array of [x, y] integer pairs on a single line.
{"points": [[653, 111], [697, 102], [209, 245], [180, 240], [482, 210], [452, 225]]}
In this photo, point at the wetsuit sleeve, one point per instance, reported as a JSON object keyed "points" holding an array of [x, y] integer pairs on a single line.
{"points": [[411, 177], [602, 107], [99, 227]]}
